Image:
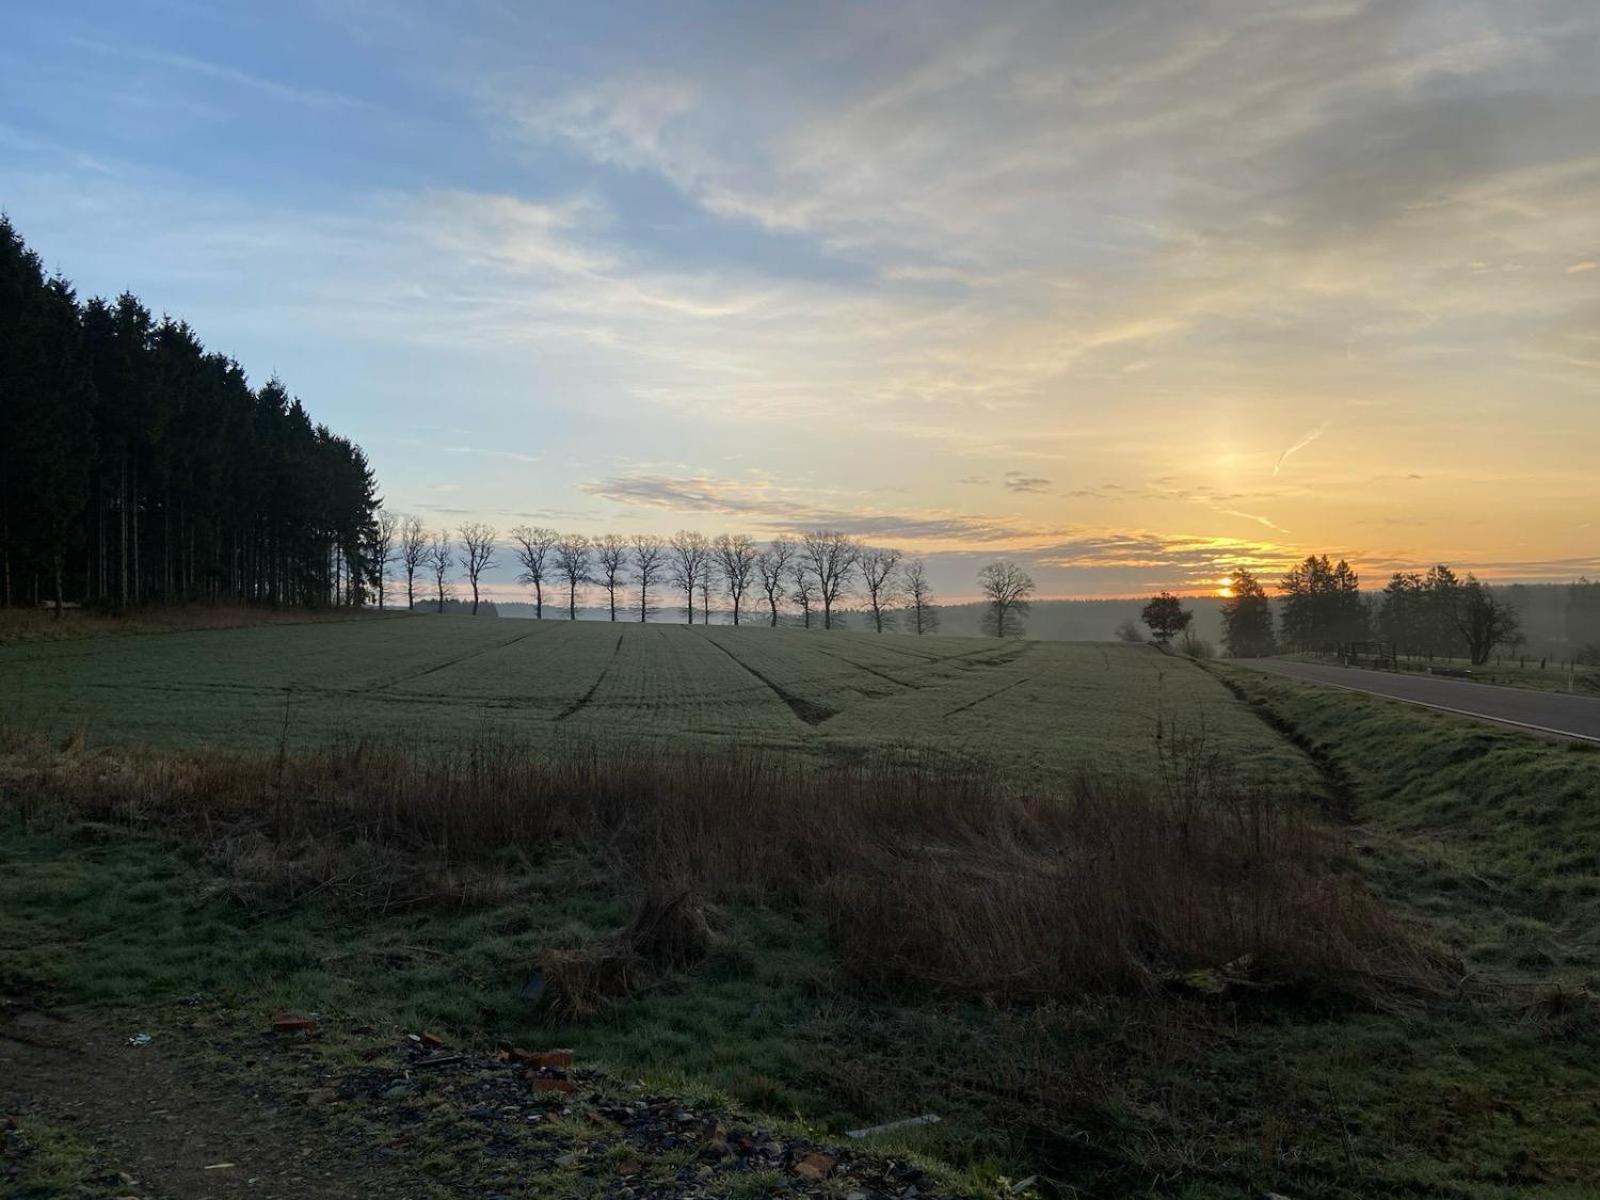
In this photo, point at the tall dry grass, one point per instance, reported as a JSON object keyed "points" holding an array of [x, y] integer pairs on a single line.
{"points": [[930, 874]]}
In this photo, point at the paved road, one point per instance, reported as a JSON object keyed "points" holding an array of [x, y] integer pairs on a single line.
{"points": [[1547, 712]]}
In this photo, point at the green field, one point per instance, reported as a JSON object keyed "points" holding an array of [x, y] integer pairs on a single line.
{"points": [[1040, 709]]}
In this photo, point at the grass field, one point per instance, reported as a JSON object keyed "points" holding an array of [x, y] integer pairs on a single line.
{"points": [[1044, 709]]}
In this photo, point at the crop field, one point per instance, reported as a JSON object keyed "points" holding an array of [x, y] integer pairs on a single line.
{"points": [[1042, 709]]}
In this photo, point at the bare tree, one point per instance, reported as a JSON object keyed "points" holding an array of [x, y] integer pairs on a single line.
{"points": [[1006, 588], [880, 574], [385, 526], [705, 590], [533, 552], [441, 557], [649, 559], [831, 557], [736, 560], [413, 554], [478, 546], [611, 553], [686, 563], [805, 591], [773, 566], [572, 565], [920, 609]]}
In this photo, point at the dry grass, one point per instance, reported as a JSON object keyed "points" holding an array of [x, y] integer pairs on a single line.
{"points": [[42, 625], [930, 875]]}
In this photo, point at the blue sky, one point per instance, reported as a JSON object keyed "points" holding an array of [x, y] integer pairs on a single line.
{"points": [[1130, 292]]}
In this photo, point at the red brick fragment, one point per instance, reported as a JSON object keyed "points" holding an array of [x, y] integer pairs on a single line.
{"points": [[814, 1166], [433, 1041], [293, 1023], [557, 1060], [546, 1083]]}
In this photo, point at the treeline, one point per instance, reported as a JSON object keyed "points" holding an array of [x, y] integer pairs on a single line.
{"points": [[809, 578], [138, 467], [1432, 614]]}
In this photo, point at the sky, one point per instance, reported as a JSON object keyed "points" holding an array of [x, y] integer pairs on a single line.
{"points": [[1129, 292]]}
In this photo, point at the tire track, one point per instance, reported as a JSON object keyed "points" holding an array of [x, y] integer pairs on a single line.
{"points": [[808, 711], [396, 682], [960, 708], [594, 687]]}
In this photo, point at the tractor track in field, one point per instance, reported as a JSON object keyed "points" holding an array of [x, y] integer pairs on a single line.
{"points": [[583, 700], [808, 711], [860, 666], [961, 708], [396, 682]]}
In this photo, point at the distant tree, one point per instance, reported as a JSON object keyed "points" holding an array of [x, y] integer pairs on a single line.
{"points": [[413, 554], [649, 561], [1440, 603], [920, 610], [1400, 613], [706, 570], [1485, 621], [688, 554], [805, 590], [1166, 617], [880, 575], [441, 558], [1246, 618], [535, 546], [477, 554], [1128, 632], [1006, 588], [736, 559], [385, 530], [831, 557], [572, 565], [1581, 618], [774, 567], [1322, 605], [611, 553]]}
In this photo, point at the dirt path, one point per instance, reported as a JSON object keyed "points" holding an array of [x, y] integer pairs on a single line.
{"points": [[174, 1133]]}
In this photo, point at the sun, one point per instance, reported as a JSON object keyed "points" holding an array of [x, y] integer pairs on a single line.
{"points": [[1225, 589]]}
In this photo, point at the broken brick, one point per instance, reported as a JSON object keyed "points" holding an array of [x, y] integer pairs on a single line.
{"points": [[293, 1023], [432, 1040], [559, 1060], [546, 1083], [814, 1166]]}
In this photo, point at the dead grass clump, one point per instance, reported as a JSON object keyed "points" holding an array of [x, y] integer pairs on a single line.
{"points": [[669, 932]]}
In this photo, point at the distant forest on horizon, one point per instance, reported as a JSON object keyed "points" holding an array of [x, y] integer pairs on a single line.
{"points": [[1558, 619]]}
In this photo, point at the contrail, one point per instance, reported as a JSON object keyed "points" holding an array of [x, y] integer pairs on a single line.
{"points": [[1301, 445], [1233, 512]]}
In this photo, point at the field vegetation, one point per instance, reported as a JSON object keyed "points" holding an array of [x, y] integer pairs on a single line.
{"points": [[1040, 709]]}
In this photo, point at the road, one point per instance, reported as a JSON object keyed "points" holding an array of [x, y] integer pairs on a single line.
{"points": [[1545, 712]]}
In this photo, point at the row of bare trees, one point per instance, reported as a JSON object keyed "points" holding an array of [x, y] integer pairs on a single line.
{"points": [[811, 575]]}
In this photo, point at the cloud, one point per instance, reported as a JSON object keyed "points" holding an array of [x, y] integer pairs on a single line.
{"points": [[1016, 481], [793, 509], [1586, 265]]}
